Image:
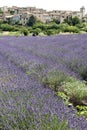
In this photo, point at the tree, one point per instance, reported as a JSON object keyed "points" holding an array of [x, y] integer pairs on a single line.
{"points": [[68, 20], [72, 20], [32, 20], [75, 20], [57, 21], [12, 12]]}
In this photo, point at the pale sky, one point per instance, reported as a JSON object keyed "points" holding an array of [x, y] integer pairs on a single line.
{"points": [[47, 4]]}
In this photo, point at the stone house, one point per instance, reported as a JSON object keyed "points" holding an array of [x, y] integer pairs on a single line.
{"points": [[23, 14], [12, 18], [24, 17]]}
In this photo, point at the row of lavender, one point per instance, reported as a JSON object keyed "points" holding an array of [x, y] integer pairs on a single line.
{"points": [[22, 55], [21, 95], [67, 53]]}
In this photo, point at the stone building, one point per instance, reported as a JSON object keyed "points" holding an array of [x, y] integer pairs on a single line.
{"points": [[24, 14]]}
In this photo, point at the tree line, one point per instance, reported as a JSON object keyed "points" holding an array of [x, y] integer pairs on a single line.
{"points": [[34, 26]]}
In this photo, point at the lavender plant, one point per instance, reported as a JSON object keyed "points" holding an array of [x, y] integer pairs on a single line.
{"points": [[26, 66]]}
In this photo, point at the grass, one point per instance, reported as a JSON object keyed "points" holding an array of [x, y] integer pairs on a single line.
{"points": [[7, 33], [76, 91], [70, 89], [63, 84]]}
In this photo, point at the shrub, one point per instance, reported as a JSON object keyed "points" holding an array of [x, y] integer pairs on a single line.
{"points": [[7, 27], [76, 91], [53, 26], [78, 67], [24, 31], [52, 32], [72, 20], [83, 72], [82, 110], [71, 29], [22, 116], [64, 97], [75, 21], [41, 26], [35, 31], [49, 32], [54, 79]]}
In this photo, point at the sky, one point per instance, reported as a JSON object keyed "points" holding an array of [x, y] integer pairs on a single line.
{"points": [[47, 4]]}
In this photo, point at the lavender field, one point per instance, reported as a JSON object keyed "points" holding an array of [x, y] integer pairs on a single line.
{"points": [[29, 67]]}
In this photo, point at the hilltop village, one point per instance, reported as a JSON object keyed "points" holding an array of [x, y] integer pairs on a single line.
{"points": [[22, 14]]}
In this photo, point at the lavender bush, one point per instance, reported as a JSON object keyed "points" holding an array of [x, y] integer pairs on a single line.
{"points": [[28, 67]]}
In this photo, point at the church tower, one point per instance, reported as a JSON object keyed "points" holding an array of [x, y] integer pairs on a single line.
{"points": [[82, 11]]}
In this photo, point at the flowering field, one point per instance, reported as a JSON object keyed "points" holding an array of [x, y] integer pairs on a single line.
{"points": [[29, 68]]}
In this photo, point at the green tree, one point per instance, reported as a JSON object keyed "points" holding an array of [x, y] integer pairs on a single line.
{"points": [[57, 21], [12, 12], [75, 20], [72, 20], [68, 20], [32, 20]]}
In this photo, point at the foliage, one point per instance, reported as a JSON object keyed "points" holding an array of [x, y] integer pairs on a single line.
{"points": [[72, 20], [31, 21], [75, 21], [7, 27], [79, 94], [35, 31], [83, 72], [55, 125], [77, 66], [40, 25], [81, 25], [82, 110], [1, 22], [71, 25], [63, 96], [50, 32], [12, 12], [29, 67], [60, 82], [57, 21], [53, 25], [71, 29], [24, 31], [68, 20], [54, 79]]}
